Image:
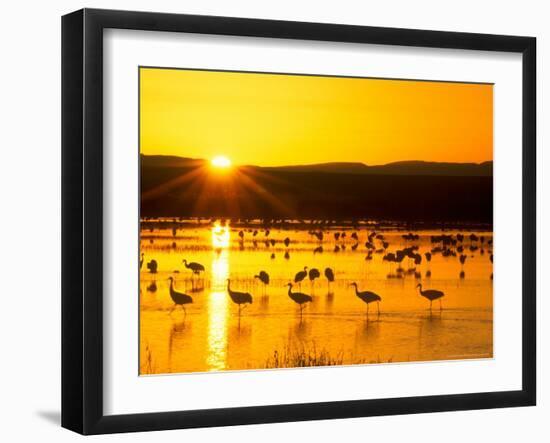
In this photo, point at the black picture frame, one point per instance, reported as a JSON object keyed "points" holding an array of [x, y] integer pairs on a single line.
{"points": [[82, 219]]}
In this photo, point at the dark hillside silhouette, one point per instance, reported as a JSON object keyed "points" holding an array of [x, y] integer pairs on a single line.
{"points": [[173, 186]]}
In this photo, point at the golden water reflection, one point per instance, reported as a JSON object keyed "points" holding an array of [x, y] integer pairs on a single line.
{"points": [[210, 336], [218, 299]]}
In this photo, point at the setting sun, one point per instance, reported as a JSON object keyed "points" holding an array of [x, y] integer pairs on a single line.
{"points": [[221, 161]]}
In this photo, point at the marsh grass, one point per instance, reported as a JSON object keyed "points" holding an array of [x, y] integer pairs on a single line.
{"points": [[303, 355], [148, 366]]}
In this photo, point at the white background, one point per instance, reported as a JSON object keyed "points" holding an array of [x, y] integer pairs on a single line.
{"points": [[30, 246]]}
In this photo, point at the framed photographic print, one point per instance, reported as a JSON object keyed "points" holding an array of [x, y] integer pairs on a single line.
{"points": [[269, 221]]}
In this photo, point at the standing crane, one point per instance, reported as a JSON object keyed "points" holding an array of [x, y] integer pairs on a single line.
{"points": [[152, 266], [300, 276], [329, 274], [239, 298], [368, 297], [179, 298], [299, 297], [264, 278], [197, 268], [431, 294], [313, 274]]}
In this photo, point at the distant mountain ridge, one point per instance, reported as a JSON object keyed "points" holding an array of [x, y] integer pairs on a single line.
{"points": [[410, 167]]}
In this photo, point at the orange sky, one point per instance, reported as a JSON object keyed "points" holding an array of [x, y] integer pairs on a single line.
{"points": [[269, 120]]}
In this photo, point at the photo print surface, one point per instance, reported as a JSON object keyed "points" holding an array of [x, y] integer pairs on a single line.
{"points": [[293, 221]]}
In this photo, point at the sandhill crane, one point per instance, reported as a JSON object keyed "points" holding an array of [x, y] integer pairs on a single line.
{"points": [[178, 298], [272, 256], [299, 297], [264, 278], [431, 294], [368, 297], [313, 274], [300, 276], [239, 298], [197, 268], [329, 274], [152, 266], [141, 260], [152, 287], [287, 255], [286, 241]]}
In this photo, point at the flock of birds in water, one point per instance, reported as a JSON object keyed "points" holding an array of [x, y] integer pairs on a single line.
{"points": [[446, 245]]}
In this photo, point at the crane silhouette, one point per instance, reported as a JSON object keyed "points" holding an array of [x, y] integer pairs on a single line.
{"points": [[329, 274], [368, 297], [141, 260], [264, 278], [431, 294], [313, 274], [239, 298], [299, 297], [179, 298], [152, 266], [300, 276], [197, 268]]}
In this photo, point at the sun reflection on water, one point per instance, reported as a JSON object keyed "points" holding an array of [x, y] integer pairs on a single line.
{"points": [[220, 236], [217, 302]]}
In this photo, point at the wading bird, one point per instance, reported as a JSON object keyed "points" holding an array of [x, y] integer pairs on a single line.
{"points": [[197, 268], [179, 298], [263, 277], [152, 266], [368, 297], [299, 297], [141, 260], [239, 298], [300, 276], [431, 294], [313, 274], [329, 274]]}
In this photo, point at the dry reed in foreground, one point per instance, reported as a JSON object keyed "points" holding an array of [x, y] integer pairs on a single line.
{"points": [[302, 356]]}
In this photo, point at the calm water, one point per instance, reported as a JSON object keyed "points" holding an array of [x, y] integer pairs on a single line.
{"points": [[334, 328]]}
